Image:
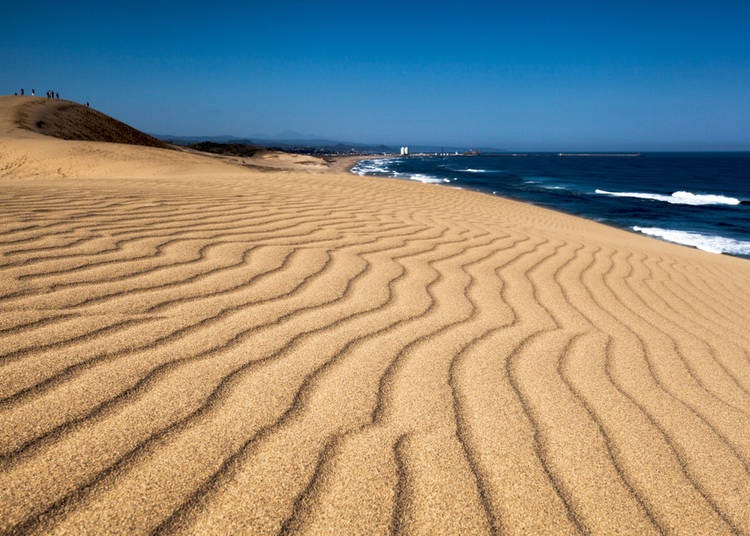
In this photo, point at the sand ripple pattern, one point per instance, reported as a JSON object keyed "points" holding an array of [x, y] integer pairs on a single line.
{"points": [[343, 355]]}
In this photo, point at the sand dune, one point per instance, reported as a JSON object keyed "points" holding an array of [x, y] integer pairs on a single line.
{"points": [[192, 347], [72, 121], [107, 148]]}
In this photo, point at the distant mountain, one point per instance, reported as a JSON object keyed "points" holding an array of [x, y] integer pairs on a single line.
{"points": [[294, 144], [183, 140], [233, 149]]}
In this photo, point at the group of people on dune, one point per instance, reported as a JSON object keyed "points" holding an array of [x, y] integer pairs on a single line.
{"points": [[50, 94]]}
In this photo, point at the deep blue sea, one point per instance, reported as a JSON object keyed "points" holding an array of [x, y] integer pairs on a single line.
{"points": [[695, 199]]}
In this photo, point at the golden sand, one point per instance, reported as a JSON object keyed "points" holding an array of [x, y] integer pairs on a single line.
{"points": [[190, 346]]}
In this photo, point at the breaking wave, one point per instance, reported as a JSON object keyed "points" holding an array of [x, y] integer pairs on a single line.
{"points": [[678, 198], [381, 167], [427, 179], [709, 243], [371, 167]]}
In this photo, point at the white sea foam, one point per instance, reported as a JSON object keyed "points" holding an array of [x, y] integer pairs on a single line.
{"points": [[678, 198], [540, 184], [381, 166], [367, 167], [476, 170], [427, 179], [710, 243]]}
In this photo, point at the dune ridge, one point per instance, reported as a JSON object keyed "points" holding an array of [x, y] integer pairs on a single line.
{"points": [[291, 352]]}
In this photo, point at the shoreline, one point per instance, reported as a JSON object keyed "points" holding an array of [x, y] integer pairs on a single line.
{"points": [[689, 239], [344, 164]]}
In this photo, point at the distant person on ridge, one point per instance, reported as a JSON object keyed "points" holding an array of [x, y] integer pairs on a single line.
{"points": [[57, 96], [22, 92], [33, 93]]}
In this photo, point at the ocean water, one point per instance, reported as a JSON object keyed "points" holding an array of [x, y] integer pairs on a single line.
{"points": [[695, 199]]}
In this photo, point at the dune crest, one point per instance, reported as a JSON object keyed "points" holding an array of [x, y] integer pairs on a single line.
{"points": [[205, 348]]}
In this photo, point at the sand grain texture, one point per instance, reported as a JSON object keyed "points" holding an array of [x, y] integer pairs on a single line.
{"points": [[192, 347]]}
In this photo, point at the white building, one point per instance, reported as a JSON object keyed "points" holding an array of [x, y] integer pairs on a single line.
{"points": [[404, 151]]}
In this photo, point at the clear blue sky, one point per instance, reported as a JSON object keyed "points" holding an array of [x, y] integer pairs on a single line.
{"points": [[517, 75]]}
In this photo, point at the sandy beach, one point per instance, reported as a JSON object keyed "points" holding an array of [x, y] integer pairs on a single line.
{"points": [[196, 345]]}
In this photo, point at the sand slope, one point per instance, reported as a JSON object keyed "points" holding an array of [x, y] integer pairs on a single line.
{"points": [[72, 121], [248, 352], [27, 153]]}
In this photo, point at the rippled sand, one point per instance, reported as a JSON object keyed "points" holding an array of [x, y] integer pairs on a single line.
{"points": [[187, 346]]}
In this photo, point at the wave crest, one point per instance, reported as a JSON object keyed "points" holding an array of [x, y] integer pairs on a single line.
{"points": [[709, 243], [677, 198], [369, 167], [428, 179]]}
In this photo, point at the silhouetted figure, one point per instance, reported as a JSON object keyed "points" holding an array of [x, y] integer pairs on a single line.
{"points": [[87, 104], [33, 93], [22, 92], [57, 96]]}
